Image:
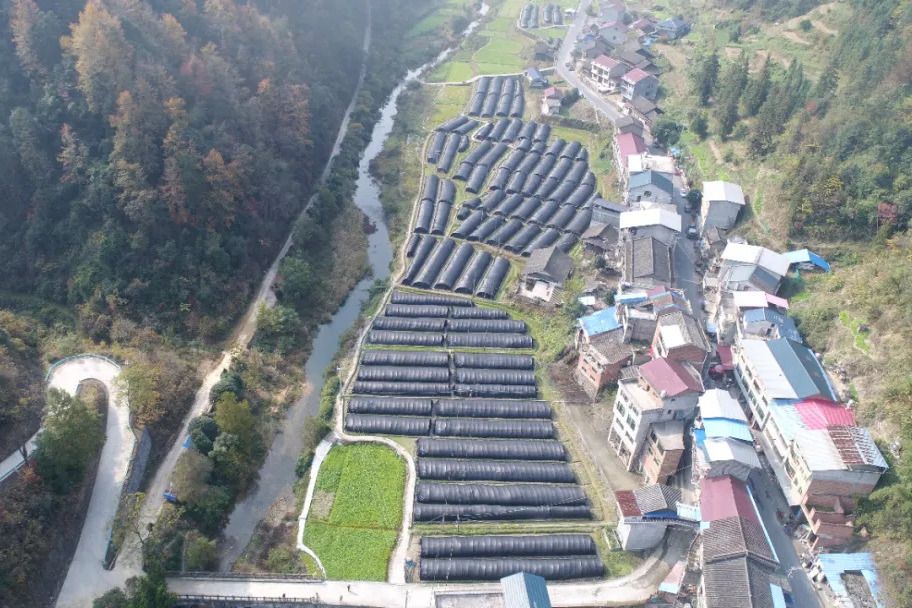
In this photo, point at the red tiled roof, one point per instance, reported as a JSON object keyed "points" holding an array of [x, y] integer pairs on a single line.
{"points": [[819, 414], [627, 503], [606, 61], [670, 377], [630, 143], [635, 75], [722, 497]]}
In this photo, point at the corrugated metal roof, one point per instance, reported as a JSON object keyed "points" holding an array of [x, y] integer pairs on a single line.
{"points": [[649, 178], [743, 253], [723, 497], [716, 403], [819, 414], [670, 377], [856, 446], [767, 370], [723, 191], [835, 564], [721, 449], [722, 427], [524, 590], [651, 217], [802, 369], [819, 451], [758, 299], [784, 324], [806, 256], [600, 322]]}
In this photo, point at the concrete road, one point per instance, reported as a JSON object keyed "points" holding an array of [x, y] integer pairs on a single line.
{"points": [[573, 78], [633, 589], [769, 500], [685, 256], [86, 576]]}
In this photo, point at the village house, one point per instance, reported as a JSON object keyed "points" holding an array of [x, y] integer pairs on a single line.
{"points": [[600, 363], [589, 46], [551, 101], [672, 29], [544, 275], [766, 324], [723, 444], [629, 124], [679, 337], [639, 83], [643, 26], [595, 326], [662, 391], [607, 72], [647, 263], [639, 313], [665, 165], [648, 185], [613, 32], [749, 267], [602, 240], [536, 79], [738, 565], [779, 371], [660, 221], [607, 212], [626, 144], [721, 204], [733, 304], [643, 109], [645, 514]]}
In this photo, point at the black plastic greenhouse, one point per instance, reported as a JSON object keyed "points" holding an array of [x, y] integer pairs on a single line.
{"points": [[492, 408], [469, 569], [496, 449], [416, 389], [508, 546], [405, 338], [444, 513], [500, 494], [387, 425], [478, 340], [490, 470], [390, 406], [493, 428]]}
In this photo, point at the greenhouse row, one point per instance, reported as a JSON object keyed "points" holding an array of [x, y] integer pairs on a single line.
{"points": [[497, 96], [442, 359], [439, 339], [549, 14], [495, 449], [521, 494], [440, 324], [508, 546], [462, 125], [443, 389], [453, 427], [435, 205], [475, 170], [440, 264], [474, 569], [445, 513], [457, 377], [451, 408], [482, 470], [510, 130]]}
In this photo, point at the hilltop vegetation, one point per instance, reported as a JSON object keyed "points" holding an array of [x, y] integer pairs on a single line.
{"points": [[809, 106]]}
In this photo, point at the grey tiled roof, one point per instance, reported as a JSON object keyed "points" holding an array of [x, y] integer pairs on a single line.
{"points": [[647, 257], [736, 537], [738, 582], [657, 497]]}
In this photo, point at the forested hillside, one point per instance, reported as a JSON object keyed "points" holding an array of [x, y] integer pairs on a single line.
{"points": [[154, 153]]}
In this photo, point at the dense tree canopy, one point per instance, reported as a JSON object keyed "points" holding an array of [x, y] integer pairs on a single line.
{"points": [[154, 153]]}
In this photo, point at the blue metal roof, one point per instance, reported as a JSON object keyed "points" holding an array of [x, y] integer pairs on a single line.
{"points": [[600, 322], [630, 298], [806, 256], [801, 368], [778, 596], [834, 564], [699, 436], [524, 590], [725, 427], [784, 323]]}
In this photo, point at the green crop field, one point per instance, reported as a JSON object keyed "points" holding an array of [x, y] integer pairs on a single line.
{"points": [[354, 521]]}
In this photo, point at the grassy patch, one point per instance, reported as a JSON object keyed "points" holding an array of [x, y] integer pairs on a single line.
{"points": [[854, 326], [355, 536]]}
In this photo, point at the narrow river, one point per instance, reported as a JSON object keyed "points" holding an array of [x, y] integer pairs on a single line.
{"points": [[278, 472]]}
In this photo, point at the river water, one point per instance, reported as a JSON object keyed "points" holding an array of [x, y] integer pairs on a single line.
{"points": [[278, 472]]}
